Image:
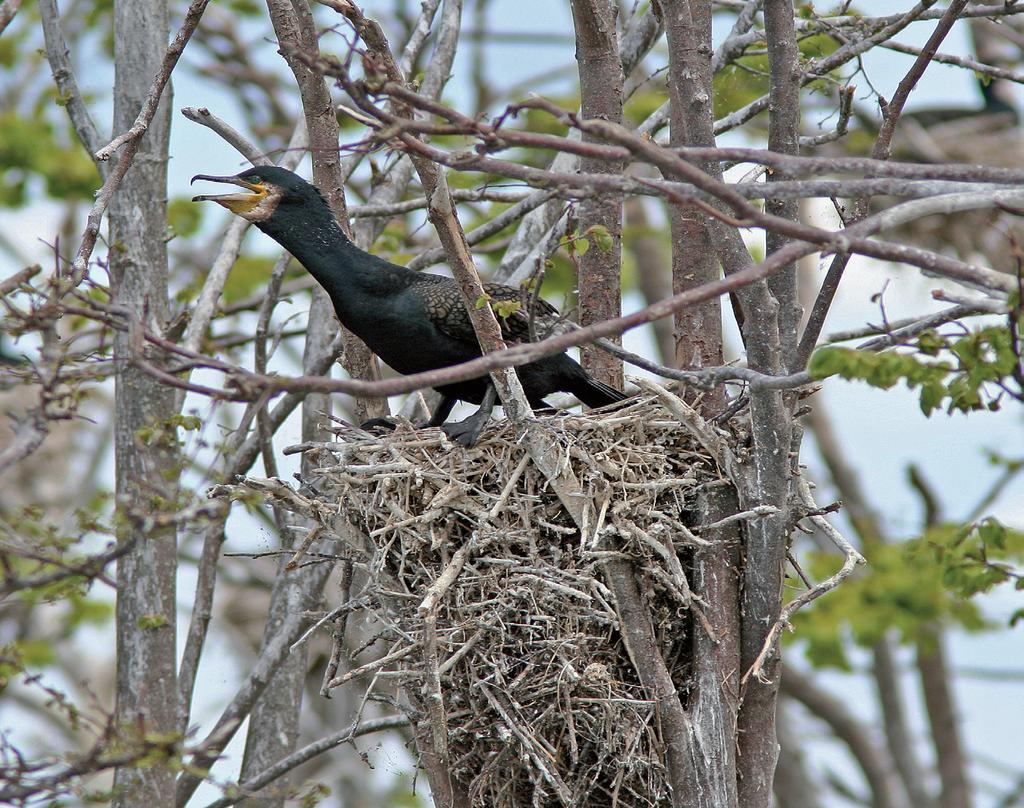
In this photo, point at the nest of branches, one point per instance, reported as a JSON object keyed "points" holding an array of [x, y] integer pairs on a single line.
{"points": [[495, 613], [993, 236]]}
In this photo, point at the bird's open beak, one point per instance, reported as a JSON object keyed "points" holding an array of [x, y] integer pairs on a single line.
{"points": [[235, 202]]}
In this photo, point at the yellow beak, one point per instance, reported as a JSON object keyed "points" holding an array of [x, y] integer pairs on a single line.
{"points": [[235, 202]]}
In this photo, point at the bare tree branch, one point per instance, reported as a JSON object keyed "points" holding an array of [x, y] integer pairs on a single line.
{"points": [[880, 151], [248, 150], [243, 454], [272, 654], [131, 140], [192, 16], [851, 559], [60, 63], [307, 753], [7, 11], [864, 748], [517, 262], [897, 731], [29, 434]]}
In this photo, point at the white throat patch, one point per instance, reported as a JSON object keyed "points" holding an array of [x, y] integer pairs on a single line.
{"points": [[264, 207]]}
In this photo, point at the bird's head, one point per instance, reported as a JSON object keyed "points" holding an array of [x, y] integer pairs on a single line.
{"points": [[268, 190]]}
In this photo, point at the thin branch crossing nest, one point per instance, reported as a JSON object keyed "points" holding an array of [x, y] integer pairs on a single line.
{"points": [[494, 614]]}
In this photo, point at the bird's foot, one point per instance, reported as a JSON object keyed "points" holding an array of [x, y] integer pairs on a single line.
{"points": [[378, 425], [465, 432]]}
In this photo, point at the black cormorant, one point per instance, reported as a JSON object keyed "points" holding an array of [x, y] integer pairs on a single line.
{"points": [[413, 321]]}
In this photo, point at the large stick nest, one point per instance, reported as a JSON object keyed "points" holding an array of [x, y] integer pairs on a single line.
{"points": [[541, 701], [988, 235]]}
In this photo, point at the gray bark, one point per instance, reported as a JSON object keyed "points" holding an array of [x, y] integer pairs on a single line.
{"points": [[716, 660], [749, 782], [771, 324], [783, 137], [146, 468]]}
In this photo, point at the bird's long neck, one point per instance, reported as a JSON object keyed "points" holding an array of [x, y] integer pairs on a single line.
{"points": [[994, 101], [348, 274]]}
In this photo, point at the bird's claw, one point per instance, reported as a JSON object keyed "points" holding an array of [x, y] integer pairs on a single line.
{"points": [[463, 433]]}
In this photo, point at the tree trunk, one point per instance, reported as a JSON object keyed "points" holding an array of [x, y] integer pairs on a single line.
{"points": [[783, 137], [698, 343], [716, 659], [146, 459], [600, 281], [698, 329], [897, 733], [938, 699], [274, 723], [771, 318]]}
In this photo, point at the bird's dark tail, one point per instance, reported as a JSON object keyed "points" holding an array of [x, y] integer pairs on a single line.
{"points": [[596, 394]]}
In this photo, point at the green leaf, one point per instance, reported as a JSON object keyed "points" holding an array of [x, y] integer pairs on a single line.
{"points": [[183, 217], [245, 8], [984, 359], [906, 587], [247, 275], [37, 653], [190, 423], [992, 533], [932, 394], [88, 611], [930, 343], [827, 362], [505, 308], [152, 621], [602, 238], [12, 663]]}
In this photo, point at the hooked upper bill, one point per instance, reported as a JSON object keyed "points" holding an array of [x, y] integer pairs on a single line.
{"points": [[238, 202]]}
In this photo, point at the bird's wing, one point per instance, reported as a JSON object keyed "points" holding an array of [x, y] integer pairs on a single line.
{"points": [[448, 313], [511, 306]]}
